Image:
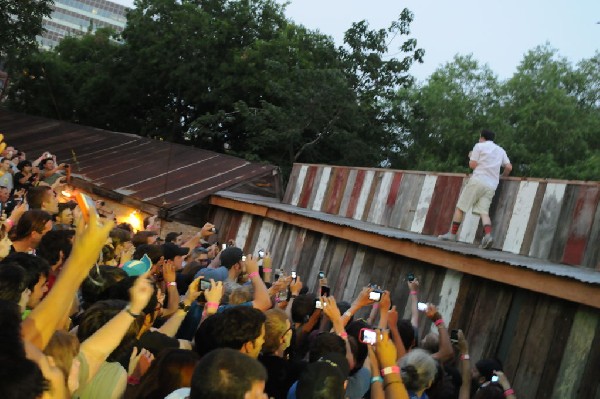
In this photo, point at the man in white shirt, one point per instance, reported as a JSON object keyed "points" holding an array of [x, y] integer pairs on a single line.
{"points": [[486, 159]]}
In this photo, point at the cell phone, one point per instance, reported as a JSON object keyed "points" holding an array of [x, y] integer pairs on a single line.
{"points": [[454, 336], [321, 275], [223, 246], [261, 253], [368, 336], [375, 295], [204, 285], [325, 290], [495, 378], [87, 206], [243, 258], [318, 304], [422, 306], [214, 230], [410, 277], [294, 274]]}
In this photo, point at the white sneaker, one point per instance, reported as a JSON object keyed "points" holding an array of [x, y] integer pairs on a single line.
{"points": [[447, 237], [486, 242]]}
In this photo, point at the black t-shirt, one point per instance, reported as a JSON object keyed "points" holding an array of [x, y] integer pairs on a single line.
{"points": [[282, 374]]}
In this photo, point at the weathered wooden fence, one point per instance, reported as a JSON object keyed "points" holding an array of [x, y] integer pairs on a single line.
{"points": [[550, 347], [547, 219]]}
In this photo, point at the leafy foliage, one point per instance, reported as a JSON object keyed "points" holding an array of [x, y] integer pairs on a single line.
{"points": [[20, 23]]}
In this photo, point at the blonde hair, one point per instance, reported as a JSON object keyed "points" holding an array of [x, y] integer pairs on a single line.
{"points": [[275, 327], [240, 295], [63, 347]]}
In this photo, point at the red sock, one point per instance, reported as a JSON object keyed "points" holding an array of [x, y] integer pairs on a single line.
{"points": [[455, 226], [487, 229]]}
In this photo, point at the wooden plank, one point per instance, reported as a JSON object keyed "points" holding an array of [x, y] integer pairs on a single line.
{"points": [[315, 186], [484, 332], [449, 294], [321, 189], [345, 270], [561, 235], [443, 204], [364, 195], [517, 325], [335, 191], [371, 195], [423, 204], [406, 202], [572, 368], [354, 274], [558, 347], [501, 210], [533, 219], [536, 349], [292, 184], [299, 184], [232, 227], [590, 383], [264, 240], [307, 187], [581, 225], [350, 186], [592, 252], [355, 195], [242, 235], [379, 202], [547, 222], [520, 217], [391, 199], [252, 236]]}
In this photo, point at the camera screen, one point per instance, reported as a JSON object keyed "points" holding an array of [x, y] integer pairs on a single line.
{"points": [[293, 274], [375, 296], [369, 337], [318, 305], [204, 285]]}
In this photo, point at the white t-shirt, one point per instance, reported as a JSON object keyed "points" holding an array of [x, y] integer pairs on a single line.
{"points": [[181, 393], [489, 157]]}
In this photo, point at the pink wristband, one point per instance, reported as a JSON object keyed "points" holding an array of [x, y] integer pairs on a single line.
{"points": [[438, 322], [390, 370], [343, 335], [509, 392], [253, 274], [266, 270], [172, 284], [9, 223], [212, 305], [414, 292], [376, 306]]}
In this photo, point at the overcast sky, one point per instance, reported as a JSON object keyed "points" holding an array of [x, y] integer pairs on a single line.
{"points": [[495, 32]]}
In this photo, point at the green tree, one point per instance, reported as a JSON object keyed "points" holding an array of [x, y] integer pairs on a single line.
{"points": [[20, 23], [445, 115], [553, 116]]}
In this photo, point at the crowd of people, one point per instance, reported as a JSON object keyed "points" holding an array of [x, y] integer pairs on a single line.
{"points": [[93, 309]]}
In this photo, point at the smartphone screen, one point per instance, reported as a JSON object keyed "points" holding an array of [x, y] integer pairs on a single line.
{"points": [[261, 254], [204, 285], [422, 306], [243, 258], [318, 304], [375, 296], [454, 335], [321, 275], [293, 274], [223, 246], [495, 378], [325, 290], [368, 336], [410, 277]]}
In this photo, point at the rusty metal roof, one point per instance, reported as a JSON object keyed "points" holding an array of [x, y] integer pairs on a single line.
{"points": [[162, 174], [582, 274]]}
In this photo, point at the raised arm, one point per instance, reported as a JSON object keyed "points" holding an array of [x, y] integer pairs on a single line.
{"points": [[386, 355], [465, 367], [413, 287], [262, 300], [445, 351], [100, 345], [44, 318]]}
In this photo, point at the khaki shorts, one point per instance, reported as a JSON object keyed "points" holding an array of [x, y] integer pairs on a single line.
{"points": [[477, 196]]}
